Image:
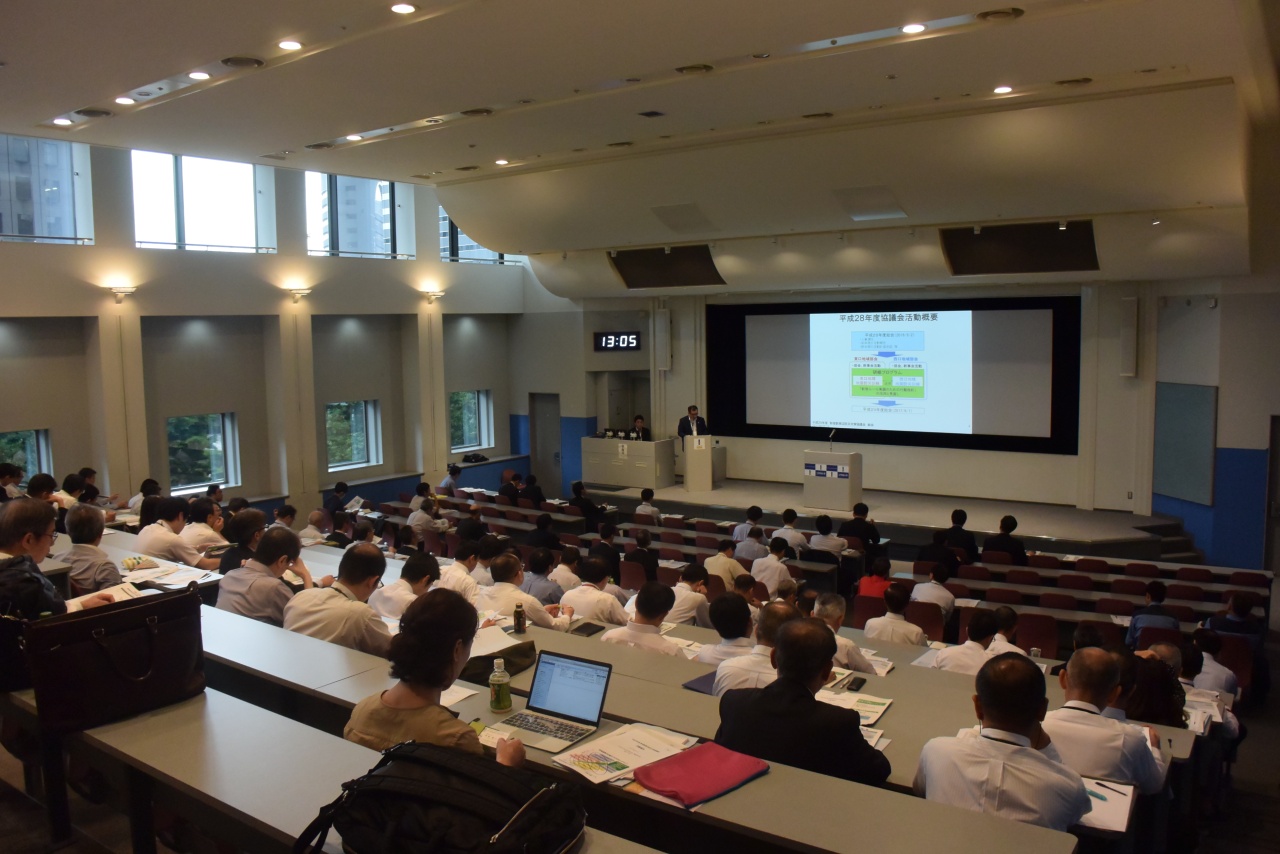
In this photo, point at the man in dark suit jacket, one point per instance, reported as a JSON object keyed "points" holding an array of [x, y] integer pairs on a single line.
{"points": [[341, 534], [533, 492], [1003, 542], [607, 551], [641, 432], [542, 537], [784, 722], [337, 499], [687, 424], [864, 529], [960, 538], [511, 489], [470, 527], [644, 556], [938, 552], [590, 511]]}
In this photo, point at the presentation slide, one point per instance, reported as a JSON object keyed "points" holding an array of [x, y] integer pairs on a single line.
{"points": [[892, 371]]}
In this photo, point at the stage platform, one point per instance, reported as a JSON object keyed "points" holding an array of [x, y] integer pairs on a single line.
{"points": [[909, 519]]}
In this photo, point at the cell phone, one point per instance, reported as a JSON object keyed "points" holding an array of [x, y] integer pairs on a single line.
{"points": [[586, 630], [857, 683]]}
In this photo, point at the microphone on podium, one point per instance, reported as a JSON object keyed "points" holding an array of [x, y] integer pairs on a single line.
{"points": [[830, 440]]}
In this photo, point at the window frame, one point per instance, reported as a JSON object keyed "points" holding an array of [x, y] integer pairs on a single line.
{"points": [[43, 453], [230, 454], [261, 229], [335, 249], [79, 213], [372, 436], [450, 243], [484, 421]]}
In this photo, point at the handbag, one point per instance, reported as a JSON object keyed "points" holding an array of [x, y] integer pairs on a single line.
{"points": [[516, 658], [92, 667]]}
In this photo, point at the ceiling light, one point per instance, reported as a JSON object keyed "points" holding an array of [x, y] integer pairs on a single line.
{"points": [[502, 162], [62, 122], [432, 121], [1062, 225], [759, 56], [1003, 90], [125, 101], [1155, 220], [699, 68], [199, 75], [404, 8], [912, 29], [977, 229], [290, 44], [354, 137]]}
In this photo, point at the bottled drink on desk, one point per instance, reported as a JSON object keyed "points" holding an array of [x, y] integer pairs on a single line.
{"points": [[521, 622], [499, 688]]}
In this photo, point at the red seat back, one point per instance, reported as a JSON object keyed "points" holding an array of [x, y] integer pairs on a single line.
{"points": [[928, 616], [997, 557], [760, 593], [1044, 561], [502, 500], [1112, 635], [703, 541], [1186, 592], [1129, 586], [1038, 630], [1237, 656], [1092, 564], [1194, 573], [668, 576], [671, 554], [1248, 579], [746, 564], [672, 537], [706, 526], [978, 573], [1023, 576], [855, 543], [866, 608], [1061, 601], [923, 567], [715, 587], [1004, 596], [645, 519], [1152, 634], [1075, 582], [1119, 607], [631, 575], [958, 590], [570, 540], [1184, 613], [673, 522], [526, 503]]}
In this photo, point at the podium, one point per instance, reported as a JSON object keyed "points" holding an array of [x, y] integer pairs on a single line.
{"points": [[704, 463], [832, 480]]}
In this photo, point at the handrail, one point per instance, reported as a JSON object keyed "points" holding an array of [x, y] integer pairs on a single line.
{"points": [[198, 247], [479, 260], [343, 253], [43, 238]]}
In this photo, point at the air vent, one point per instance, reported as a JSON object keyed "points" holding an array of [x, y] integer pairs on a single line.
{"points": [[818, 116], [1075, 81], [479, 111], [93, 113], [320, 146], [1012, 13], [272, 156], [621, 144], [652, 114], [694, 69], [682, 266], [243, 62], [1032, 247], [468, 168]]}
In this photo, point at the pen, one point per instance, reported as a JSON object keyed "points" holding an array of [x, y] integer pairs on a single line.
{"points": [[1094, 794], [1109, 788]]}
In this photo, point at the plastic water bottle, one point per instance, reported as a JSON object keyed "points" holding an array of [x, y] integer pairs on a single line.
{"points": [[1035, 652], [521, 622], [499, 688]]}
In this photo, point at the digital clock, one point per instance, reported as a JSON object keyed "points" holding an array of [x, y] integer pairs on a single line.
{"points": [[608, 342]]}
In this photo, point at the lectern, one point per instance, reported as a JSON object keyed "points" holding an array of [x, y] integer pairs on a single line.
{"points": [[704, 463], [832, 480]]}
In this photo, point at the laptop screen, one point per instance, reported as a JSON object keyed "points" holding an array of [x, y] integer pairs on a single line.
{"points": [[568, 687]]}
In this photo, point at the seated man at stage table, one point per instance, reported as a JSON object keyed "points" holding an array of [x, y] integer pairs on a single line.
{"points": [[692, 425], [755, 669], [1097, 746], [784, 722], [1006, 542], [770, 570], [639, 432], [643, 630], [893, 626], [970, 656], [1002, 769]]}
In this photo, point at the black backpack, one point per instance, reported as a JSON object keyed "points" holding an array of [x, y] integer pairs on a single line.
{"points": [[423, 798]]}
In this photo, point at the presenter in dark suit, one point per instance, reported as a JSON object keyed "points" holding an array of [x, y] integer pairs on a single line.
{"points": [[957, 536], [640, 432], [1003, 542], [692, 424], [784, 722]]}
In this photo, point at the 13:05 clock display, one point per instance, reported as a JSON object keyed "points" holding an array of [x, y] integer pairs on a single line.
{"points": [[613, 341]]}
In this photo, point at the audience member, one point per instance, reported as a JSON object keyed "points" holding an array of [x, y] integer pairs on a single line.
{"points": [[149, 511], [1154, 616], [315, 526], [487, 551], [1127, 668], [532, 492], [257, 589], [824, 540], [542, 537], [830, 609], [214, 493], [245, 530], [91, 568], [536, 581], [607, 551], [876, 581], [235, 505], [1005, 542], [406, 543], [456, 575], [959, 538], [450, 482], [421, 520], [10, 477], [1192, 664], [784, 722], [864, 529], [41, 487], [691, 605], [795, 539], [421, 493], [1212, 677], [753, 547], [788, 591], [565, 572], [1006, 633], [937, 551], [645, 507], [723, 565], [1239, 620], [643, 555], [419, 573], [163, 538], [148, 488], [427, 655], [337, 500], [26, 535], [933, 591], [1001, 769], [72, 488], [1096, 746], [589, 599], [363, 534], [505, 594], [743, 530], [593, 514], [471, 527], [731, 616], [755, 669], [286, 515], [653, 602], [893, 626], [511, 489], [1157, 698], [770, 570], [341, 614], [204, 525], [970, 656]]}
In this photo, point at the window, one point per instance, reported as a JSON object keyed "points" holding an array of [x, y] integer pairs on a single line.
{"points": [[456, 246], [37, 192], [350, 216], [26, 449], [353, 432], [194, 203], [202, 450], [470, 420]]}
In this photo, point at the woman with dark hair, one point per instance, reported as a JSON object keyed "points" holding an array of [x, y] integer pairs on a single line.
{"points": [[1157, 698], [245, 530], [427, 655], [876, 581], [149, 511]]}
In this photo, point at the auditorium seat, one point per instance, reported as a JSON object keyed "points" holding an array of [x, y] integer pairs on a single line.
{"points": [[451, 541], [1119, 607], [1142, 570], [923, 567], [1185, 592], [1237, 656], [495, 528], [668, 576], [571, 510], [1060, 601], [645, 519], [1023, 576], [746, 564], [1112, 635], [1129, 586], [715, 587], [548, 507], [673, 522], [1038, 630], [705, 542], [997, 557], [675, 537], [490, 510], [706, 526], [526, 503], [571, 540], [928, 616], [431, 542], [513, 515], [855, 543], [958, 590], [866, 608], [760, 593], [1004, 596], [405, 497], [671, 554], [1248, 579], [796, 572], [963, 615], [1184, 613], [977, 573], [1044, 561], [631, 575], [1198, 574], [1152, 634], [1092, 564], [908, 584], [1075, 582], [502, 500], [462, 494]]}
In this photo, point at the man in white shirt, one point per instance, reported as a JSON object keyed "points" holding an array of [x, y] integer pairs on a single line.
{"points": [[489, 548], [564, 572], [204, 525], [830, 608], [341, 614], [315, 523], [826, 541], [795, 539], [1192, 660], [691, 606], [645, 507], [420, 520], [505, 594], [741, 531], [933, 591], [1003, 769], [1007, 625], [456, 575], [1213, 676], [1097, 746], [589, 599], [970, 656], [420, 495], [770, 570], [163, 539], [723, 565], [644, 629], [731, 616], [753, 547], [420, 571], [72, 488], [893, 626], [755, 669], [257, 590]]}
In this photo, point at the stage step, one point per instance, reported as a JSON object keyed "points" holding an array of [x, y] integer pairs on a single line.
{"points": [[1188, 558]]}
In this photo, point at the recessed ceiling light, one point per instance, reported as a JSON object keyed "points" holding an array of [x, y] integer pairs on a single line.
{"points": [[1003, 90], [432, 121], [1155, 220], [502, 162], [699, 68], [199, 75], [290, 44], [759, 56], [62, 122], [404, 8], [912, 29], [125, 101], [354, 137], [477, 111]]}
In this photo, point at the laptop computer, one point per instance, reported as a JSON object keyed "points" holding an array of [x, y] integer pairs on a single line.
{"points": [[565, 702]]}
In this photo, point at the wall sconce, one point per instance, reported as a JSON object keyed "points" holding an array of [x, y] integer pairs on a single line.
{"points": [[122, 291], [299, 293], [432, 296]]}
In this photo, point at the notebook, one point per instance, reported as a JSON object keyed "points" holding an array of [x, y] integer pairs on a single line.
{"points": [[565, 702]]}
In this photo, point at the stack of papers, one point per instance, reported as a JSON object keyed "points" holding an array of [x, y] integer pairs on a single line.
{"points": [[873, 737], [926, 660], [937, 645], [1112, 805], [688, 647], [453, 694], [491, 640], [966, 603], [621, 752], [1121, 621], [118, 594], [672, 564], [882, 665], [869, 708]]}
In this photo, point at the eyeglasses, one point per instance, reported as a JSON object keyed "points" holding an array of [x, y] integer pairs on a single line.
{"points": [[53, 537]]}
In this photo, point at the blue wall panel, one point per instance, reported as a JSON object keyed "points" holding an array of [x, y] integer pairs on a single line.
{"points": [[1232, 531], [572, 430], [519, 434], [376, 491]]}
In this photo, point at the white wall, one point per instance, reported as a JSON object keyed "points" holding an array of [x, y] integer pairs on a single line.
{"points": [[476, 358]]}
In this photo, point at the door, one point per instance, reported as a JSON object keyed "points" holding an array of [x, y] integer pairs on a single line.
{"points": [[544, 442], [1273, 508]]}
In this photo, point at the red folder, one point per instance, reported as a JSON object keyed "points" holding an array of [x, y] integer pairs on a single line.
{"points": [[700, 773]]}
